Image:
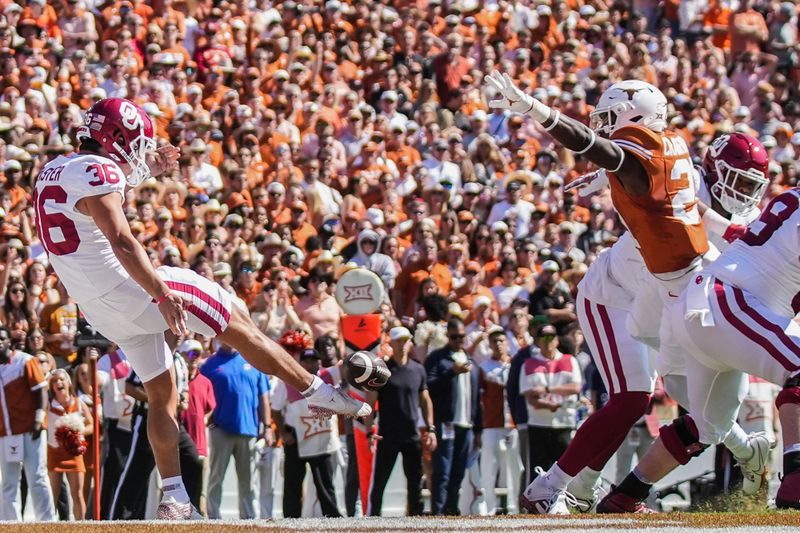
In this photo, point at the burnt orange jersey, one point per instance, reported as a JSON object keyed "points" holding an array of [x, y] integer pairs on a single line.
{"points": [[665, 221]]}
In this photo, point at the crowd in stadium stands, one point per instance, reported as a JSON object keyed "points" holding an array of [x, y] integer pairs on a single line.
{"points": [[314, 134]]}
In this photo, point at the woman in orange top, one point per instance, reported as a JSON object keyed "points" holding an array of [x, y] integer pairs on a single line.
{"points": [[63, 402]]}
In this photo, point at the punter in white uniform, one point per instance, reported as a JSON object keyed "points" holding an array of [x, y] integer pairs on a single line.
{"points": [[82, 226]]}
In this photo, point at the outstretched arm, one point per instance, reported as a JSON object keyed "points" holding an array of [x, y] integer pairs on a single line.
{"points": [[107, 213], [571, 133]]}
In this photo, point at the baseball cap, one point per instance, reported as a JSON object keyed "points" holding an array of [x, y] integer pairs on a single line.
{"points": [[768, 141], [12, 164], [479, 115], [472, 188], [326, 256], [276, 187], [190, 345], [499, 227], [221, 269], [481, 301], [398, 333], [309, 353], [494, 330], [389, 95], [551, 266]]}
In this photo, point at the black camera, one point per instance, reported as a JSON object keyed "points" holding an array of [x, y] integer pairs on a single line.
{"points": [[88, 337]]}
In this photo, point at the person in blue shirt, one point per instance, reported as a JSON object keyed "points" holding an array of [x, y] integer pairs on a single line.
{"points": [[241, 417]]}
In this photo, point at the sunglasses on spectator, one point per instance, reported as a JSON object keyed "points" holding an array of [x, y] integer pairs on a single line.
{"points": [[248, 270], [193, 354], [547, 338], [17, 290], [456, 336]]}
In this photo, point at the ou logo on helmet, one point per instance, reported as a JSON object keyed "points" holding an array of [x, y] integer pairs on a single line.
{"points": [[719, 144], [130, 116]]}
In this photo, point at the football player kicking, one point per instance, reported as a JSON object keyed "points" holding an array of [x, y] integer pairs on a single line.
{"points": [[633, 115], [82, 226], [735, 317]]}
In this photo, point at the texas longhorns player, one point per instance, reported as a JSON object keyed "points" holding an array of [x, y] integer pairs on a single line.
{"points": [[82, 226], [651, 178], [737, 317]]}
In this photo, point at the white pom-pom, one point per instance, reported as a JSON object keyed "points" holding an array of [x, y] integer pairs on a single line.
{"points": [[73, 421]]}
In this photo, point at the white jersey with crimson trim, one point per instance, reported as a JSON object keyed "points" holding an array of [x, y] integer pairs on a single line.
{"points": [[79, 252], [764, 262]]}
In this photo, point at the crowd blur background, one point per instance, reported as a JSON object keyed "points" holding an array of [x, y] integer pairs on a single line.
{"points": [[319, 134]]}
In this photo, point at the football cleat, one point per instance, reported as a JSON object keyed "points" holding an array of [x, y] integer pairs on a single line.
{"points": [[172, 510], [327, 401], [754, 469], [540, 498], [617, 502]]}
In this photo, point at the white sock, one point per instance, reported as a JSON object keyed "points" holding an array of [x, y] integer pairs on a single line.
{"points": [[557, 478], [737, 443], [174, 490], [316, 383], [587, 479]]}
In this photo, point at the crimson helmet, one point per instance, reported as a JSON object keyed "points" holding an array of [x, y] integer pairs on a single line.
{"points": [[736, 172], [124, 131]]}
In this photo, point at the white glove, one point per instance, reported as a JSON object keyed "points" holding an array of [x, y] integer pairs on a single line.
{"points": [[588, 184], [513, 99]]}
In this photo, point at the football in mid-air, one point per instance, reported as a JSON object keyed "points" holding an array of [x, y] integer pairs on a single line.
{"points": [[366, 371]]}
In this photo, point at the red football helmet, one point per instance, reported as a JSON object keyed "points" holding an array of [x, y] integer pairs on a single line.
{"points": [[125, 131], [736, 172]]}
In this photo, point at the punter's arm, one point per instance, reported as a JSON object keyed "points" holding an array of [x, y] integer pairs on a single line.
{"points": [[107, 213], [574, 135]]}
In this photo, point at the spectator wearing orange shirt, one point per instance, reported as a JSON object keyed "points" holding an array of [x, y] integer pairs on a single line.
{"points": [[247, 286], [412, 276], [301, 230], [748, 30]]}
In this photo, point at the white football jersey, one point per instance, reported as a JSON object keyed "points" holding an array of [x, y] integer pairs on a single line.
{"points": [[764, 262], [79, 252]]}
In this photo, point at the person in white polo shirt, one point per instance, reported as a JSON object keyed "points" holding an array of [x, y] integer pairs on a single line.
{"points": [[550, 382], [306, 440]]}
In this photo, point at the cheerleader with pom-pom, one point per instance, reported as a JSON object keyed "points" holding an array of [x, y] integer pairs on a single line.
{"points": [[69, 420]]}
